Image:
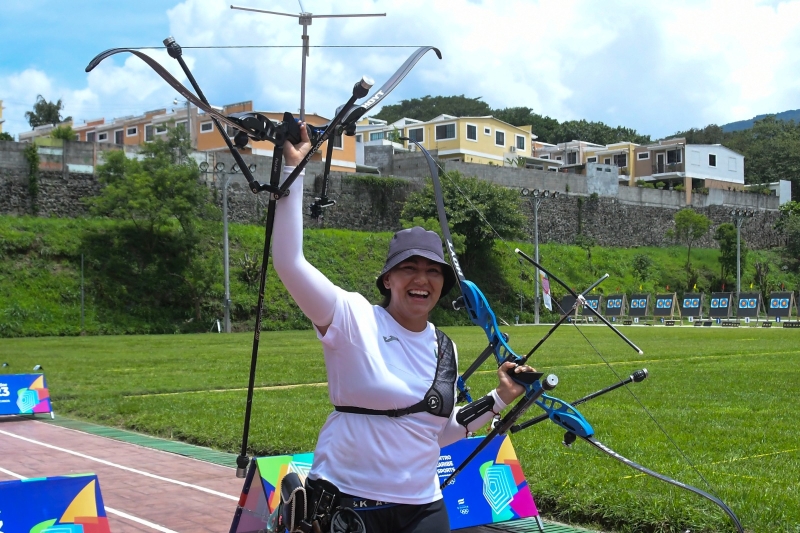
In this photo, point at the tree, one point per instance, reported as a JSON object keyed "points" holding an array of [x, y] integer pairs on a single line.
{"points": [[5, 136], [689, 227], [45, 112], [65, 133], [161, 197], [429, 107], [725, 235], [642, 264], [791, 229], [464, 198]]}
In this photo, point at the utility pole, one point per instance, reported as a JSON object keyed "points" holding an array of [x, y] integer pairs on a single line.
{"points": [[536, 196]]}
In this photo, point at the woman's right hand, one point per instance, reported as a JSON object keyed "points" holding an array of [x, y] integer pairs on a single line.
{"points": [[294, 153]]}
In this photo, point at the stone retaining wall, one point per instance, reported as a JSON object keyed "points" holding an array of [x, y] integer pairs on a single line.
{"points": [[632, 217]]}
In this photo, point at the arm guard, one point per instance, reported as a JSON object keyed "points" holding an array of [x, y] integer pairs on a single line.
{"points": [[474, 410]]}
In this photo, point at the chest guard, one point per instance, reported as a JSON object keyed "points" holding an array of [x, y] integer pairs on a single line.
{"points": [[440, 398]]}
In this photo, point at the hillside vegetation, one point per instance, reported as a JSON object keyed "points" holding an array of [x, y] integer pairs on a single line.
{"points": [[40, 277]]}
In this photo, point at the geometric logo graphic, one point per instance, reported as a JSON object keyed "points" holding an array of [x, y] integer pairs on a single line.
{"points": [[301, 468], [498, 486], [27, 400], [614, 304]]}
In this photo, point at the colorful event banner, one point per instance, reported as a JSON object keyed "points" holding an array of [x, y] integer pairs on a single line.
{"points": [[63, 504], [24, 394], [491, 489]]}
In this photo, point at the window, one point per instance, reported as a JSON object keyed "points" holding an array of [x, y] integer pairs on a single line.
{"points": [[376, 136], [102, 137], [592, 159], [558, 158], [130, 132], [205, 127], [416, 134], [118, 137], [673, 157], [499, 138], [552, 169], [359, 138], [621, 160], [712, 160], [445, 131], [148, 133], [182, 124], [472, 132], [607, 161], [520, 142], [544, 156], [572, 158], [642, 156], [337, 142], [162, 129], [538, 167], [487, 130], [90, 136], [732, 164], [77, 136]]}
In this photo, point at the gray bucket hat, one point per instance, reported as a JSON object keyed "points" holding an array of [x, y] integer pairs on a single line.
{"points": [[416, 241]]}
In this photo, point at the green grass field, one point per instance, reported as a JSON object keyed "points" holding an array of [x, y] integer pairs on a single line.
{"points": [[725, 396]]}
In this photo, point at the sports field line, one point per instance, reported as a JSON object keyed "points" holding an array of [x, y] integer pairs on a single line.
{"points": [[273, 387], [121, 467], [109, 510], [582, 365]]}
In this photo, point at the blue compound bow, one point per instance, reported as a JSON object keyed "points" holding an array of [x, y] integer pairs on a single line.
{"points": [[560, 412]]}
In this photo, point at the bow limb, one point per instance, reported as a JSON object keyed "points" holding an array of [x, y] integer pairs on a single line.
{"points": [[636, 466]]}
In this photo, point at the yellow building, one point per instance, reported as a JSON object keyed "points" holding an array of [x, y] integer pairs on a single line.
{"points": [[484, 140], [621, 154]]}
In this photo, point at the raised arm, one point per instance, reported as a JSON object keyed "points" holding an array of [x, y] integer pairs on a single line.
{"points": [[312, 291]]}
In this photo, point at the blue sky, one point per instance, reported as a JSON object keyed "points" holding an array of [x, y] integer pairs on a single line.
{"points": [[658, 67]]}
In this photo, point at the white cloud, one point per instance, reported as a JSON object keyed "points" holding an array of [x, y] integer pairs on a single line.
{"points": [[654, 66]]}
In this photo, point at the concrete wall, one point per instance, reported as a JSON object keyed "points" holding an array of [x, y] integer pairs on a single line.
{"points": [[635, 216]]}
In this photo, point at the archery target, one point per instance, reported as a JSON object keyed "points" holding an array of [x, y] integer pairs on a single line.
{"points": [[780, 304], [639, 304], [615, 305], [692, 304], [593, 302], [720, 305], [665, 304], [748, 304]]}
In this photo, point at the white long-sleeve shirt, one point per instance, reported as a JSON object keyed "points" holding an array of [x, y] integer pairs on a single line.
{"points": [[373, 362]]}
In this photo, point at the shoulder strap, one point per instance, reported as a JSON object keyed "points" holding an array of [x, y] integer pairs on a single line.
{"points": [[440, 398]]}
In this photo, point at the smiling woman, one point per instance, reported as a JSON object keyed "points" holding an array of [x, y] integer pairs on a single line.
{"points": [[391, 375]]}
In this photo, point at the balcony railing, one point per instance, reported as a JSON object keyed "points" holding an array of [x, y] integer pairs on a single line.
{"points": [[665, 168]]}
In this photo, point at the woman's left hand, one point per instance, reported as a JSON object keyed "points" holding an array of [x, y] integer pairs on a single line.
{"points": [[509, 390]]}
